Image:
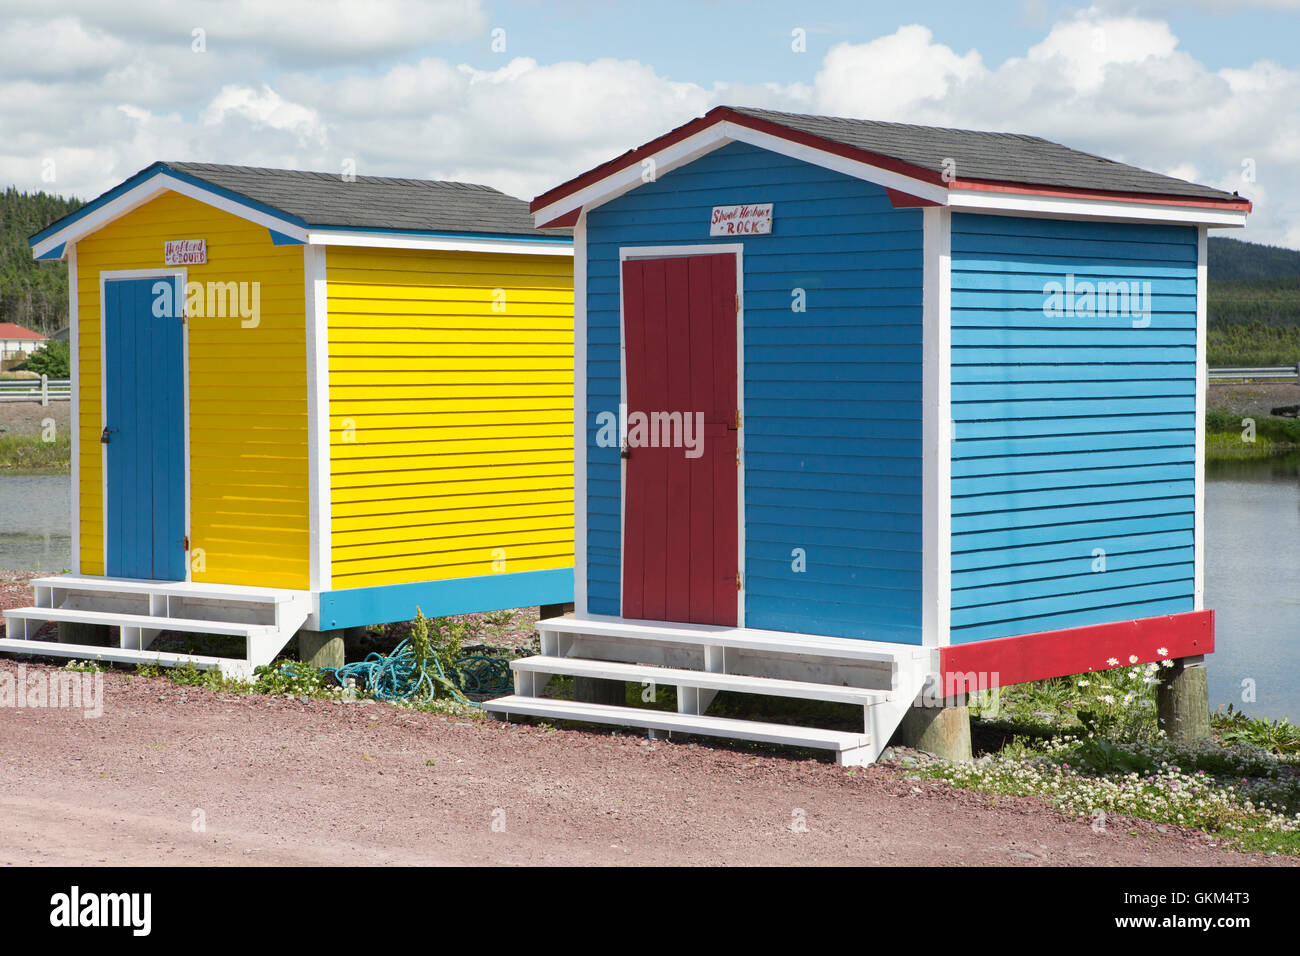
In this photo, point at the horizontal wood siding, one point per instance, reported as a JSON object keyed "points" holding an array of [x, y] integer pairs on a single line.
{"points": [[832, 426], [248, 394], [1072, 433], [451, 414]]}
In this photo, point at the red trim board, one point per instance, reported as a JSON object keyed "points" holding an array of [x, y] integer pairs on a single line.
{"points": [[723, 114], [1076, 650]]}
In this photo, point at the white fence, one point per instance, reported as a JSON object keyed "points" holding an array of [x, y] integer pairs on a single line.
{"points": [[1282, 371], [43, 390]]}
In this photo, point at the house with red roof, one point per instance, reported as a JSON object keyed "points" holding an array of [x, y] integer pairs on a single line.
{"points": [[18, 342]]}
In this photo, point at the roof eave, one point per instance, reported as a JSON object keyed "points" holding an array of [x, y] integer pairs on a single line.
{"points": [[146, 185], [908, 185]]}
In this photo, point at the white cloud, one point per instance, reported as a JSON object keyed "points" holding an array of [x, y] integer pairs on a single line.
{"points": [[316, 32], [888, 76], [130, 99]]}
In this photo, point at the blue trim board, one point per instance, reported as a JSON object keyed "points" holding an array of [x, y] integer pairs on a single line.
{"points": [[280, 239], [160, 169], [55, 253], [357, 607]]}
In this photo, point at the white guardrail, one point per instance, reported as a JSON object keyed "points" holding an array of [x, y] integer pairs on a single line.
{"points": [[1281, 371], [43, 390]]}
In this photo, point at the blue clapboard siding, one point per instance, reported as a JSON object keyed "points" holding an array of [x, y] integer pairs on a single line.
{"points": [[1071, 432], [832, 425]]}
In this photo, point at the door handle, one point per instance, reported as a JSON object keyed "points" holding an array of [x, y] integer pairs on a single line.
{"points": [[103, 436]]}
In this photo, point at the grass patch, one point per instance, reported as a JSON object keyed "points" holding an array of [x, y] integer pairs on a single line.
{"points": [[32, 453], [1091, 746]]}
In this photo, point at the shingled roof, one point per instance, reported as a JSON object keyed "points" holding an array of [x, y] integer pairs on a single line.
{"points": [[997, 157], [956, 160], [327, 201]]}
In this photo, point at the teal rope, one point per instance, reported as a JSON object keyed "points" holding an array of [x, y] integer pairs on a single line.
{"points": [[400, 677]]}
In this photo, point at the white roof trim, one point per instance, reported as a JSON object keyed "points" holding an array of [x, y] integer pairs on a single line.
{"points": [[151, 188], [381, 240], [964, 200], [1065, 207]]}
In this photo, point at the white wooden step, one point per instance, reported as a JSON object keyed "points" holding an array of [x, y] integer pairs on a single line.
{"points": [[840, 741], [182, 589], [118, 619], [122, 655], [743, 638], [677, 677]]}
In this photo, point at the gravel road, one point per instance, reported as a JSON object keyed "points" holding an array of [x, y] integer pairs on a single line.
{"points": [[176, 775]]}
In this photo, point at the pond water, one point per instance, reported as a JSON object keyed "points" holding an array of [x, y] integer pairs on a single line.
{"points": [[1252, 573], [35, 522], [1252, 580]]}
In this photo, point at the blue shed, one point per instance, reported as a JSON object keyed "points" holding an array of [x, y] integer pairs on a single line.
{"points": [[870, 412]]}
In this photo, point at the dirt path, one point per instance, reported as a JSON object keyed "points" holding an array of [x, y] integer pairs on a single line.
{"points": [[280, 781]]}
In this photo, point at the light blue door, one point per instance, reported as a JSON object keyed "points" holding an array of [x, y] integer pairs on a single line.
{"points": [[144, 433]]}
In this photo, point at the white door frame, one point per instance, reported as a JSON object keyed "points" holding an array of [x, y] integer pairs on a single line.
{"points": [[736, 249], [109, 275]]}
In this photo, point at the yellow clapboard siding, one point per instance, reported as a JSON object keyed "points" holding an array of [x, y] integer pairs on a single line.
{"points": [[451, 423], [389, 511], [250, 521], [386, 558], [544, 468], [362, 493], [427, 452], [384, 429], [450, 520], [379, 340], [342, 579], [550, 526]]}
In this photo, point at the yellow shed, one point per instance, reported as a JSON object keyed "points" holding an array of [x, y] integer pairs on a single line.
{"points": [[308, 401]]}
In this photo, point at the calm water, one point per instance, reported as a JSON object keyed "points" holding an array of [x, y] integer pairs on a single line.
{"points": [[35, 522], [1252, 580], [1252, 570]]}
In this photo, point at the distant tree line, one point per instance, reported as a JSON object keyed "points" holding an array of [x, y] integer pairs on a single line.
{"points": [[32, 294]]}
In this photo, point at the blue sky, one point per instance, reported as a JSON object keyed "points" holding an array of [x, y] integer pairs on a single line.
{"points": [[749, 42], [91, 92]]}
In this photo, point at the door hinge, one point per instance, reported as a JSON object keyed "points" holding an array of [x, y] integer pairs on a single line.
{"points": [[185, 543], [737, 304], [736, 419], [740, 581]]}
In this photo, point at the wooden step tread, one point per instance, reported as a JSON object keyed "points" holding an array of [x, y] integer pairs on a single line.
{"points": [[122, 655], [120, 619], [682, 723], [679, 677], [736, 637], [178, 589]]}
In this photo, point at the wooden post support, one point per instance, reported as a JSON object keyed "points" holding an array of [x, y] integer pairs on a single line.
{"points": [[1183, 701], [941, 731], [45, 389], [322, 648]]}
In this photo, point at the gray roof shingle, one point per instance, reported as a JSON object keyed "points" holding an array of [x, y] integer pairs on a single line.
{"points": [[1005, 157], [416, 205]]}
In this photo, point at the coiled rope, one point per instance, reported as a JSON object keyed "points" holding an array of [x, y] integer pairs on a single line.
{"points": [[401, 676]]}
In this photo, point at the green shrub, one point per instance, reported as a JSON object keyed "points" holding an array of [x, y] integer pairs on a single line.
{"points": [[54, 359]]}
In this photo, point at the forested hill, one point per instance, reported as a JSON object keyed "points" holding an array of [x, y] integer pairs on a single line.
{"points": [[32, 294], [1235, 259]]}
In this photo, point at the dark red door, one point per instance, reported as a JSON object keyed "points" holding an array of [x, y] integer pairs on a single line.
{"points": [[679, 514]]}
